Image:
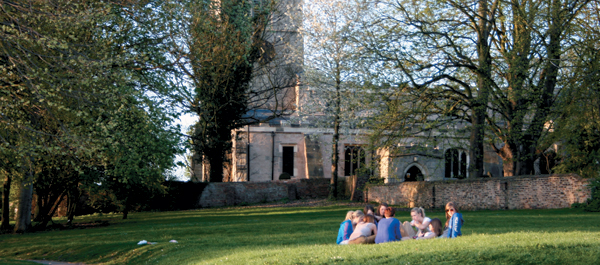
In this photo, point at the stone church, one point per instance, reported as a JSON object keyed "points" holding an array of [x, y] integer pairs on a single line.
{"points": [[285, 148]]}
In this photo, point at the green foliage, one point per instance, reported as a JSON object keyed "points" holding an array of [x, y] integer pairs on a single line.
{"points": [[577, 128], [284, 235], [284, 175], [593, 203], [333, 69], [500, 68], [222, 41], [72, 73], [376, 180]]}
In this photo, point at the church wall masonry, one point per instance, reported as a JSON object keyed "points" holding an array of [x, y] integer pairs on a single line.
{"points": [[522, 192]]}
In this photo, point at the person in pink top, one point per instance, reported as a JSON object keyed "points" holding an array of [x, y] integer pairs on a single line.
{"points": [[365, 231]]}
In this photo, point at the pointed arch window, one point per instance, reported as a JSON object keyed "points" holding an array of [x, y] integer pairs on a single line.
{"points": [[456, 163], [354, 159]]}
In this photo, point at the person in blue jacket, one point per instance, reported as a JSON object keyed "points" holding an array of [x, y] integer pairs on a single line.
{"points": [[454, 221], [346, 228], [389, 228]]}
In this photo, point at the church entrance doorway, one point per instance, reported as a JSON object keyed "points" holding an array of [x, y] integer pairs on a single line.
{"points": [[413, 174]]}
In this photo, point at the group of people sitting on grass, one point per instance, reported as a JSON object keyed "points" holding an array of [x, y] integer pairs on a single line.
{"points": [[380, 226]]}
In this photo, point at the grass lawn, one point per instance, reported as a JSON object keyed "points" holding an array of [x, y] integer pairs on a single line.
{"points": [[305, 235]]}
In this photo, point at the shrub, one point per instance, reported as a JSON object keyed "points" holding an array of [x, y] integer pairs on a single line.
{"points": [[592, 204], [284, 175]]}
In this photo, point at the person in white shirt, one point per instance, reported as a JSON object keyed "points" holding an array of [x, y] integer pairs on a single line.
{"points": [[365, 231], [419, 221]]}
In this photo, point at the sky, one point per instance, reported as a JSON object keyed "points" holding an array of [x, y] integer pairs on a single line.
{"points": [[185, 120]]}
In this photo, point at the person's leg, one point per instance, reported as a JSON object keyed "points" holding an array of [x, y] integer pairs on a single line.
{"points": [[403, 232], [408, 230], [370, 239], [360, 240]]}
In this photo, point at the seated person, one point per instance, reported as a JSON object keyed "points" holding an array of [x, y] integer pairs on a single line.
{"points": [[380, 214], [419, 221], [346, 228], [370, 210], [365, 231], [358, 214], [435, 228], [388, 229], [454, 221]]}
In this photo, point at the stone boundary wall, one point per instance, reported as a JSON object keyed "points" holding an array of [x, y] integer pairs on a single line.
{"points": [[522, 192], [354, 188], [237, 193]]}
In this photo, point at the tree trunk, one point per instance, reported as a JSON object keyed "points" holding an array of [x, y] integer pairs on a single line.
{"points": [[527, 155], [23, 218], [334, 160], [516, 105], [548, 80], [476, 148], [333, 192], [72, 202], [5, 203], [126, 210], [480, 102], [51, 207], [508, 161]]}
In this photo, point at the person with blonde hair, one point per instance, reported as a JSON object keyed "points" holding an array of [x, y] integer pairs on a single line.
{"points": [[365, 231], [346, 228], [419, 221], [356, 216]]}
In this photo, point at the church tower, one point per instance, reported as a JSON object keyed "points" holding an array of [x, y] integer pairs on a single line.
{"points": [[281, 55]]}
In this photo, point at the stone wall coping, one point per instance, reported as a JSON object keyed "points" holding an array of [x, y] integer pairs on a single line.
{"points": [[486, 179], [289, 181]]}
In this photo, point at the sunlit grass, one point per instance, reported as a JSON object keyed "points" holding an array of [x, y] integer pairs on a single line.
{"points": [[306, 235]]}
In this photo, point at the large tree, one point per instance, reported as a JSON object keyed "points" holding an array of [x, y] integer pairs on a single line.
{"points": [[67, 67], [532, 71], [437, 55], [44, 54], [225, 45], [576, 127], [494, 64], [140, 151], [332, 72]]}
